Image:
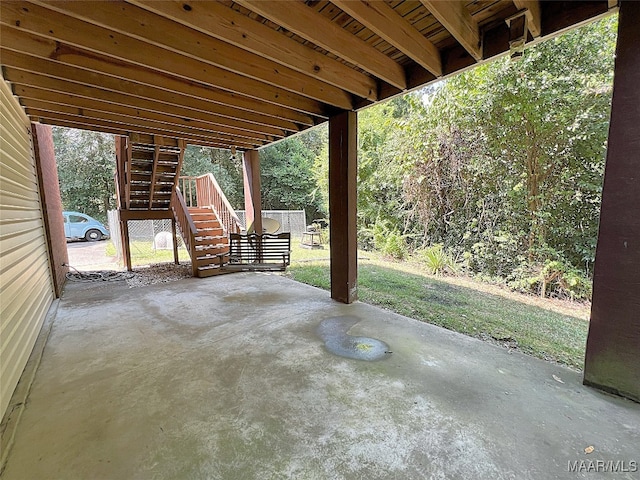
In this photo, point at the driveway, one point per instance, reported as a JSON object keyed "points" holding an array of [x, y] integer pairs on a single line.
{"points": [[84, 256]]}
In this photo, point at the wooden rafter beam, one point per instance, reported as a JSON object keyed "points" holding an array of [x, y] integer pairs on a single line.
{"points": [[118, 129], [87, 64], [224, 23], [37, 98], [20, 79], [147, 100], [455, 17], [173, 37], [534, 17], [305, 22], [80, 117], [89, 114], [107, 43], [383, 20]]}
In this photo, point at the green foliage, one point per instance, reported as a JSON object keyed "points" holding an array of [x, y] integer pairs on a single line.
{"points": [[553, 278], [380, 171], [288, 178], [86, 169], [384, 237], [226, 168], [504, 163], [496, 253]]}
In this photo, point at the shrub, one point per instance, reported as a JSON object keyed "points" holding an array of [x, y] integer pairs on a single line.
{"points": [[496, 254], [437, 260], [552, 278], [386, 239]]}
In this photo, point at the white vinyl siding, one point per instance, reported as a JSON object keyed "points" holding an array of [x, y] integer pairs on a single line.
{"points": [[26, 288]]}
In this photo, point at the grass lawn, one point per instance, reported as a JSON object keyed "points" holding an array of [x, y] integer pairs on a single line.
{"points": [[143, 253], [548, 329]]}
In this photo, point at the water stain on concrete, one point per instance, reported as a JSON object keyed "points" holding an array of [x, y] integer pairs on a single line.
{"points": [[334, 330]]}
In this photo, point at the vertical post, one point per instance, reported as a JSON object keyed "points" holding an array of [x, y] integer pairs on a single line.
{"points": [[252, 197], [51, 202], [126, 248], [343, 169], [612, 360], [174, 234]]}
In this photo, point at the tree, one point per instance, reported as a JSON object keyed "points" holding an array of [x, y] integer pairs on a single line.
{"points": [[507, 159], [288, 178], [86, 169], [225, 167]]}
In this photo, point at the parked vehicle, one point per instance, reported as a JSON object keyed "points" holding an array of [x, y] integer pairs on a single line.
{"points": [[78, 225]]}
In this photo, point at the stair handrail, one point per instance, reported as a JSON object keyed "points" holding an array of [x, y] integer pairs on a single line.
{"points": [[209, 193], [186, 225], [187, 185]]}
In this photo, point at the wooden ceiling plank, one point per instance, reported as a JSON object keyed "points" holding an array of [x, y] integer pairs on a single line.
{"points": [[129, 127], [36, 104], [533, 14], [319, 30], [386, 23], [455, 17], [184, 106], [217, 101], [135, 22], [39, 20], [224, 23]]}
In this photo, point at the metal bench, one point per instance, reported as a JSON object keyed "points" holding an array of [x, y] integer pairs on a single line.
{"points": [[254, 252]]}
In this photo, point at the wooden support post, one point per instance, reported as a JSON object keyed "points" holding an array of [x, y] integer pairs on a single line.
{"points": [[252, 196], [174, 234], [45, 159], [343, 170], [612, 360], [127, 172], [126, 248], [121, 156]]}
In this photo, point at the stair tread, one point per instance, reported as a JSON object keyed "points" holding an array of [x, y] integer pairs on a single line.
{"points": [[212, 239]]}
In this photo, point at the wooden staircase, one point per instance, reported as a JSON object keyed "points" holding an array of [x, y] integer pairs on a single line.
{"points": [[148, 186], [148, 172], [211, 244], [205, 219]]}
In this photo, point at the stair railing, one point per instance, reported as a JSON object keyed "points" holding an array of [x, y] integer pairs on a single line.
{"points": [[208, 193], [186, 226], [187, 186]]}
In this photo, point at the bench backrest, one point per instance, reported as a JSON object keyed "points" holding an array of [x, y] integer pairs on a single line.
{"points": [[265, 248]]}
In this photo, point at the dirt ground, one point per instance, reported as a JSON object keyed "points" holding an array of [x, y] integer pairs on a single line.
{"points": [[84, 256]]}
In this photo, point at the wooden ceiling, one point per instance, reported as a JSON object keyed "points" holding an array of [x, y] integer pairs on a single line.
{"points": [[250, 72]]}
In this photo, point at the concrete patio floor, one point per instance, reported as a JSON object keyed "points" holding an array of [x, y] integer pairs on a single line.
{"points": [[229, 378]]}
